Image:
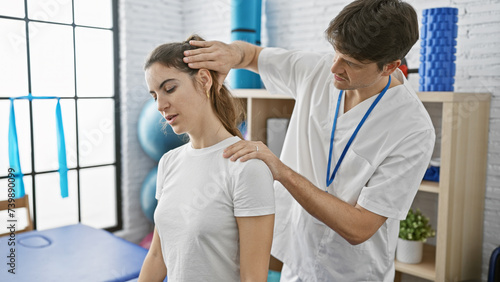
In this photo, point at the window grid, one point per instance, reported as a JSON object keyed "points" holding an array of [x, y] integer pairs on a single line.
{"points": [[115, 97]]}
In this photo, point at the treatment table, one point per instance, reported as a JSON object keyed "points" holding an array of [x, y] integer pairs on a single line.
{"points": [[70, 253]]}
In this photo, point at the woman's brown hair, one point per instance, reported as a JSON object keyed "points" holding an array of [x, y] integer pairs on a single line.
{"points": [[226, 108]]}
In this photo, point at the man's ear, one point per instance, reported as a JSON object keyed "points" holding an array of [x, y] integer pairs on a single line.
{"points": [[390, 67], [204, 77]]}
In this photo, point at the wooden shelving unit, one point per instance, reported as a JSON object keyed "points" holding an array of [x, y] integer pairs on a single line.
{"points": [[429, 186], [259, 107], [464, 145], [426, 269]]}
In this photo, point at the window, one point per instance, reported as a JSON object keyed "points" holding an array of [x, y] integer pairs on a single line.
{"points": [[67, 49]]}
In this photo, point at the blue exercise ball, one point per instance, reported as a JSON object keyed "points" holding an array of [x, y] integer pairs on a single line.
{"points": [[155, 138], [148, 192]]}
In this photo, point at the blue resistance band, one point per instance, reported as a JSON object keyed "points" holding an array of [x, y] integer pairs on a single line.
{"points": [[330, 178], [14, 148]]}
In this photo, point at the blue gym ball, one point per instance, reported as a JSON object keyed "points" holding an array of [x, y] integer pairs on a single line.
{"points": [[148, 191], [154, 137]]}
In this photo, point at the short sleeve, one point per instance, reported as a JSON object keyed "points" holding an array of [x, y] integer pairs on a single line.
{"points": [[253, 193], [283, 70], [394, 184]]}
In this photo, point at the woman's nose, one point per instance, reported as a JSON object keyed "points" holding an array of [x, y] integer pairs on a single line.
{"points": [[163, 104]]}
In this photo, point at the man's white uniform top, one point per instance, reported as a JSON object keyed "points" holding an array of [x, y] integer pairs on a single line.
{"points": [[381, 171]]}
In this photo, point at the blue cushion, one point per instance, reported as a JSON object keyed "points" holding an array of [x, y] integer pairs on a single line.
{"points": [[72, 253]]}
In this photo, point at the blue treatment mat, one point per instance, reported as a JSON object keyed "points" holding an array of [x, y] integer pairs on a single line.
{"points": [[71, 253]]}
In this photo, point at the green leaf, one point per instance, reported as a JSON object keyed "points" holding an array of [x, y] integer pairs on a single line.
{"points": [[416, 227]]}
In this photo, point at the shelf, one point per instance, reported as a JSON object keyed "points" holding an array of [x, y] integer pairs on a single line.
{"points": [[257, 93], [429, 186], [426, 269], [453, 97], [424, 96]]}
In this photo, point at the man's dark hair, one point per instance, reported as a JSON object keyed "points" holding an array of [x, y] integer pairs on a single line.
{"points": [[380, 31]]}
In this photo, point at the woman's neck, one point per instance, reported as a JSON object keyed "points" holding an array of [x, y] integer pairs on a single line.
{"points": [[209, 136]]}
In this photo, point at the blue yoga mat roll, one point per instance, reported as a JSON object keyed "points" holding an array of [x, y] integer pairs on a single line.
{"points": [[245, 26]]}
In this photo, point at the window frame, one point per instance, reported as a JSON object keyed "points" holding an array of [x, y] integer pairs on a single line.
{"points": [[116, 98]]}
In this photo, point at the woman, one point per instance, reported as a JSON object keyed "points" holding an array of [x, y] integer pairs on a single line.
{"points": [[214, 219]]}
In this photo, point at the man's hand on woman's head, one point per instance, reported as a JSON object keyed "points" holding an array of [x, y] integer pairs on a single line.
{"points": [[213, 55]]}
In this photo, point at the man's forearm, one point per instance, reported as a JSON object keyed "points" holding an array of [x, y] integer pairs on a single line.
{"points": [[353, 223], [249, 55]]}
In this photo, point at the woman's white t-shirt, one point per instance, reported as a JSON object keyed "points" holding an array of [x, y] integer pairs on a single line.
{"points": [[200, 194]]}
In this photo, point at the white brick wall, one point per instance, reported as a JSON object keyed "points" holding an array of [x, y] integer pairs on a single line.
{"points": [[143, 26], [209, 19], [297, 24]]}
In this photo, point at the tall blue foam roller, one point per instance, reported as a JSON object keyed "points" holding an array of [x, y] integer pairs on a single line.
{"points": [[258, 16], [245, 26], [438, 48]]}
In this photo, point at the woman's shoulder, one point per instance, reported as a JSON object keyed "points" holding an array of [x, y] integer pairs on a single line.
{"points": [[250, 169], [173, 153]]}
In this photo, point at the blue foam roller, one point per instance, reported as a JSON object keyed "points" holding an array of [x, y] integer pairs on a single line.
{"points": [[258, 16], [245, 26], [246, 36], [241, 78], [437, 71], [438, 41], [436, 48], [245, 14]]}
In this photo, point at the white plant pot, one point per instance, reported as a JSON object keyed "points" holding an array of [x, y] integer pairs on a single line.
{"points": [[409, 251]]}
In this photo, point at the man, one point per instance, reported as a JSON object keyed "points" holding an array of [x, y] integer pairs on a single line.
{"points": [[358, 143]]}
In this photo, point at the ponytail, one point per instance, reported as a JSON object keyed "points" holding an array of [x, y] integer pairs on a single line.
{"points": [[228, 109]]}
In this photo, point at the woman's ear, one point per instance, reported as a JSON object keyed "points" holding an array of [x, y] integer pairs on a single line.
{"points": [[205, 79], [390, 67]]}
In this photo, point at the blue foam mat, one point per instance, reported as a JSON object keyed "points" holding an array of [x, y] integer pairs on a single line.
{"points": [[71, 253]]}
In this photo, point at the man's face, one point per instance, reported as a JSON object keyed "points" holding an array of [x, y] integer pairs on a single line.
{"points": [[351, 74]]}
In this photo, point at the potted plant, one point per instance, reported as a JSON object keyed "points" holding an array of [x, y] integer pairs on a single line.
{"points": [[413, 232]]}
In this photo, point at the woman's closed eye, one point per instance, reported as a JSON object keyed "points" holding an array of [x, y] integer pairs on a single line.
{"points": [[170, 89]]}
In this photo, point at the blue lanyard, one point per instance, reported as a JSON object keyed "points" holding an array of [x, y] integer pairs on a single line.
{"points": [[330, 178]]}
